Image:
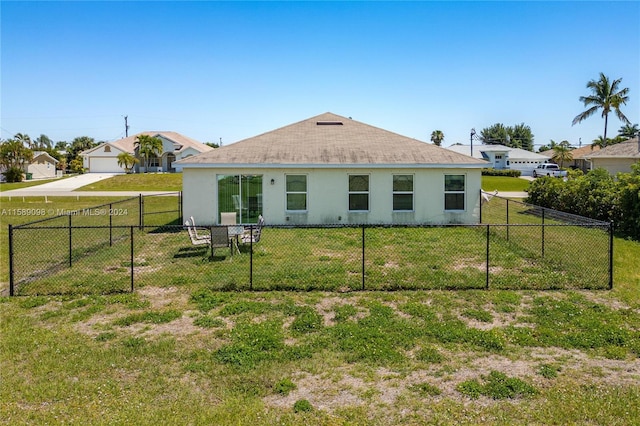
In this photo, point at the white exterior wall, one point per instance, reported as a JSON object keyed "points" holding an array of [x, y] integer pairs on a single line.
{"points": [[613, 165], [99, 161], [186, 152], [328, 196], [42, 170]]}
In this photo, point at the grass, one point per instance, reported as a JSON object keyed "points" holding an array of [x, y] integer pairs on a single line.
{"points": [[138, 182], [504, 184], [180, 351], [6, 186]]}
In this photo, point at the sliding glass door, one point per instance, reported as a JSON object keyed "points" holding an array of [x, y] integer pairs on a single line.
{"points": [[241, 194]]}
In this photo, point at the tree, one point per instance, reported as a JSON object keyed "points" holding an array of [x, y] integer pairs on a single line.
{"points": [[552, 144], [14, 156], [629, 131], [599, 141], [24, 139], [61, 145], [148, 146], [76, 165], [437, 137], [79, 144], [518, 136], [127, 161], [521, 136], [605, 96], [562, 152], [43, 142], [495, 135]]}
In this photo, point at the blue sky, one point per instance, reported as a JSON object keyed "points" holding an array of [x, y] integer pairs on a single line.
{"points": [[232, 70]]}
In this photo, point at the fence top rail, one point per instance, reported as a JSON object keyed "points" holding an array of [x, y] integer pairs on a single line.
{"points": [[602, 225], [552, 213]]}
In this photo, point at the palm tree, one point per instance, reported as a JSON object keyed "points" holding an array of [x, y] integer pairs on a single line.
{"points": [[562, 152], [629, 131], [437, 137], [24, 139], [599, 141], [148, 146], [606, 96], [43, 142], [127, 161]]}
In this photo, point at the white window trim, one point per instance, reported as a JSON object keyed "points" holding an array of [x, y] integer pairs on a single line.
{"points": [[368, 192], [413, 198], [464, 192], [306, 193]]}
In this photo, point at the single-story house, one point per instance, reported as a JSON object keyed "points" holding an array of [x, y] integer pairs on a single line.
{"points": [[43, 166], [503, 157], [330, 169], [578, 161], [104, 157], [616, 158]]}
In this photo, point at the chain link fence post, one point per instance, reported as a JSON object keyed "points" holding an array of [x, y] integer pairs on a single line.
{"points": [[363, 259], [11, 260], [611, 228], [131, 255]]}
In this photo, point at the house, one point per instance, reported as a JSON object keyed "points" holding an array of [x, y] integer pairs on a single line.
{"points": [[43, 166], [503, 157], [616, 158], [329, 169], [104, 157], [578, 161]]}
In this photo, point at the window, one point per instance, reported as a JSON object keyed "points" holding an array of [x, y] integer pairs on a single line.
{"points": [[402, 192], [296, 188], [359, 192], [153, 161], [454, 192], [241, 194]]}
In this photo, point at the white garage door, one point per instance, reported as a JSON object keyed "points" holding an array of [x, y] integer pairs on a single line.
{"points": [[104, 165]]}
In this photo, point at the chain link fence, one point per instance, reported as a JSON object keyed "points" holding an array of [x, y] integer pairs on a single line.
{"points": [[526, 248]]}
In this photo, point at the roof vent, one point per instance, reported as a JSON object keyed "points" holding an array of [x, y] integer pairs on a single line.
{"points": [[329, 123]]}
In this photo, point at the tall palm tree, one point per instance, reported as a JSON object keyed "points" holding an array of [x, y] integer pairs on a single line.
{"points": [[605, 96], [629, 131], [24, 139], [437, 137], [148, 146], [561, 153]]}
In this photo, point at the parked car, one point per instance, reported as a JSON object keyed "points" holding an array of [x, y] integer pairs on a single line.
{"points": [[549, 169]]}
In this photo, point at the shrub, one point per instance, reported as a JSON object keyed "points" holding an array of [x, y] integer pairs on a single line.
{"points": [[14, 174], [503, 172]]}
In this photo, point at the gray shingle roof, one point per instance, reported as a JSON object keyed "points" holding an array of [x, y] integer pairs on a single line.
{"points": [[329, 139], [628, 149]]}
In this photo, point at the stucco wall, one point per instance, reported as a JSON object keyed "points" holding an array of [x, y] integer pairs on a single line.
{"points": [[327, 196], [613, 165]]}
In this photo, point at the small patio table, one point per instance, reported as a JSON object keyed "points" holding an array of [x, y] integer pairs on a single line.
{"points": [[234, 232]]}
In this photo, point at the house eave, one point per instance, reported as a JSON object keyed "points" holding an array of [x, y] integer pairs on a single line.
{"points": [[332, 166]]}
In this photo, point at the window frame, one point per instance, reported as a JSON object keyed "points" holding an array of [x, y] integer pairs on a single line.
{"points": [[305, 192], [367, 192], [397, 192], [456, 192]]}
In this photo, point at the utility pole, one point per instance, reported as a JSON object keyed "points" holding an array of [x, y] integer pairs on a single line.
{"points": [[126, 126]]}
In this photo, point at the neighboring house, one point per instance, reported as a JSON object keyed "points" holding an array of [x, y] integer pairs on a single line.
{"points": [[616, 158], [104, 157], [330, 169], [42, 166], [578, 162], [503, 157]]}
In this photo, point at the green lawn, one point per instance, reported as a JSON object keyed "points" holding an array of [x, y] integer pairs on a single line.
{"points": [[138, 182], [5, 186], [504, 184], [179, 351]]}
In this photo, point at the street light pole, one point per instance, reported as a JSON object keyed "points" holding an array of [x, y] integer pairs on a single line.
{"points": [[473, 133]]}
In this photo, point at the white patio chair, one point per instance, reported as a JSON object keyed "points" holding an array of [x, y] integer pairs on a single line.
{"points": [[195, 231], [195, 240], [228, 218], [252, 236]]}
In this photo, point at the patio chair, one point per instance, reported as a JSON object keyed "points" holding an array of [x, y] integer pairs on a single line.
{"points": [[195, 230], [228, 218], [195, 239], [220, 238], [252, 236]]}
